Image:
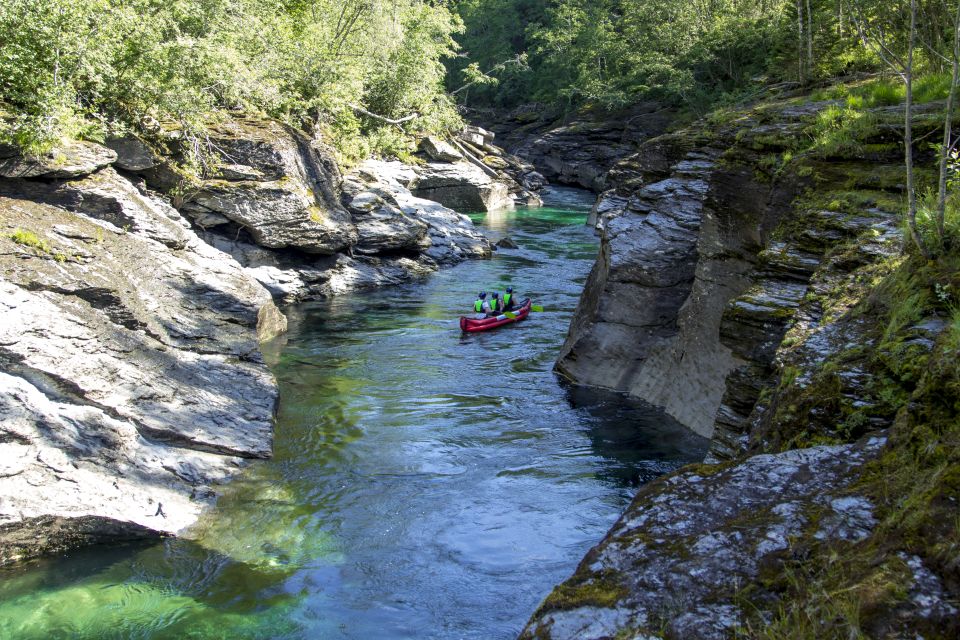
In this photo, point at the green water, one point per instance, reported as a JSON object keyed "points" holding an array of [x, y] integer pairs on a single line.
{"points": [[425, 484]]}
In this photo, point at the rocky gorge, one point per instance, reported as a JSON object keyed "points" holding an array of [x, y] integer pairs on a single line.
{"points": [[753, 285], [136, 297], [749, 284]]}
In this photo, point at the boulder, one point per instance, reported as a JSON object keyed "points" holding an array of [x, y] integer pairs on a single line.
{"points": [[461, 186], [133, 154], [453, 236], [387, 229], [276, 183], [476, 136], [440, 150], [533, 180], [277, 214], [400, 237], [699, 537], [68, 160]]}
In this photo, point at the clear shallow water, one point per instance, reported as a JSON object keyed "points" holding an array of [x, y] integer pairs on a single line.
{"points": [[425, 484]]}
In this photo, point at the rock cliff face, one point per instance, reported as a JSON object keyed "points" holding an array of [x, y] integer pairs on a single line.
{"points": [[581, 150], [765, 301], [680, 234], [277, 202], [132, 381]]}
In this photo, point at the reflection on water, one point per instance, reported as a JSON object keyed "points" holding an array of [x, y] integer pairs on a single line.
{"points": [[424, 484]]}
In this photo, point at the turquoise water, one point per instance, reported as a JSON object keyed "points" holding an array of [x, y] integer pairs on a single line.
{"points": [[425, 484]]}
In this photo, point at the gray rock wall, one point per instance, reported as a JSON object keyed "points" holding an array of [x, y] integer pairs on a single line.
{"points": [[131, 378], [771, 322], [679, 235], [581, 149]]}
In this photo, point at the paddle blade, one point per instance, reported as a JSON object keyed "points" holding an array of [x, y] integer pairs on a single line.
{"points": [[510, 314], [536, 307]]}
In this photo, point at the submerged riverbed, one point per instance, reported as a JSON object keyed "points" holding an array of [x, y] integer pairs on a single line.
{"points": [[425, 484]]}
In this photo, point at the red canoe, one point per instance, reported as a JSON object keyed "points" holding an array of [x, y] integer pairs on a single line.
{"points": [[472, 325]]}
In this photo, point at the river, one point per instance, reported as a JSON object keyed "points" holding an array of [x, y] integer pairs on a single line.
{"points": [[425, 484]]}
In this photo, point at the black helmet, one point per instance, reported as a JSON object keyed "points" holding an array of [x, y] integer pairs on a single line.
{"points": [[483, 294], [509, 289]]}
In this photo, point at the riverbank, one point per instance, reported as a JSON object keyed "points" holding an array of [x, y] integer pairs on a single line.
{"points": [[753, 281], [137, 294]]}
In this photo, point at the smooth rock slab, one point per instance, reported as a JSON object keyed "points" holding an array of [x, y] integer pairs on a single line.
{"points": [[461, 186], [130, 368], [440, 150], [69, 160], [277, 215]]}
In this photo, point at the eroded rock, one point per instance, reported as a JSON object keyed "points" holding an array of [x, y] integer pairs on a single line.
{"points": [[131, 379], [68, 160], [276, 184], [674, 562], [461, 186]]}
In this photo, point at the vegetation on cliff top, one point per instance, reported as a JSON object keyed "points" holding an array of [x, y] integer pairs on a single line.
{"points": [[77, 68], [611, 53]]}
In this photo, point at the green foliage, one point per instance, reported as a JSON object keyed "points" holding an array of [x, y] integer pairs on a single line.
{"points": [[28, 238], [610, 53], [841, 131], [70, 68], [927, 221]]}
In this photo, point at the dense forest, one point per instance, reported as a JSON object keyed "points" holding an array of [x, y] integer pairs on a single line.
{"points": [[79, 67], [614, 52], [370, 74], [71, 66]]}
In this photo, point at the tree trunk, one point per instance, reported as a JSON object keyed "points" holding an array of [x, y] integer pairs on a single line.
{"points": [[809, 38], [800, 41], [908, 135], [384, 119], [947, 129]]}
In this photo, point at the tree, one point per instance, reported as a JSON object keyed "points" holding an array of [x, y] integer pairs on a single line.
{"points": [[882, 29]]}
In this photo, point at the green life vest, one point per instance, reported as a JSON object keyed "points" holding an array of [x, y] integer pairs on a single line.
{"points": [[507, 297], [478, 305], [493, 304]]}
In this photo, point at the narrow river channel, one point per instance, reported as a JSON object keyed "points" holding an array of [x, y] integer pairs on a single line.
{"points": [[424, 485]]}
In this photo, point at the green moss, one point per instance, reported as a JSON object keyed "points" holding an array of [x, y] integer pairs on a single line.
{"points": [[586, 589]]}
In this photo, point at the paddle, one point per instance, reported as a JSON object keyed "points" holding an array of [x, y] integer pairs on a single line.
{"points": [[512, 315]]}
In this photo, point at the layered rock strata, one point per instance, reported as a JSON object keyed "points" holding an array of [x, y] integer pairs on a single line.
{"points": [[399, 236], [679, 236], [825, 337], [131, 379], [277, 202], [579, 151]]}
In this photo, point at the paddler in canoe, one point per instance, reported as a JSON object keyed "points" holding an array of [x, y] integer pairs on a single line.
{"points": [[508, 300], [495, 305], [481, 306]]}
